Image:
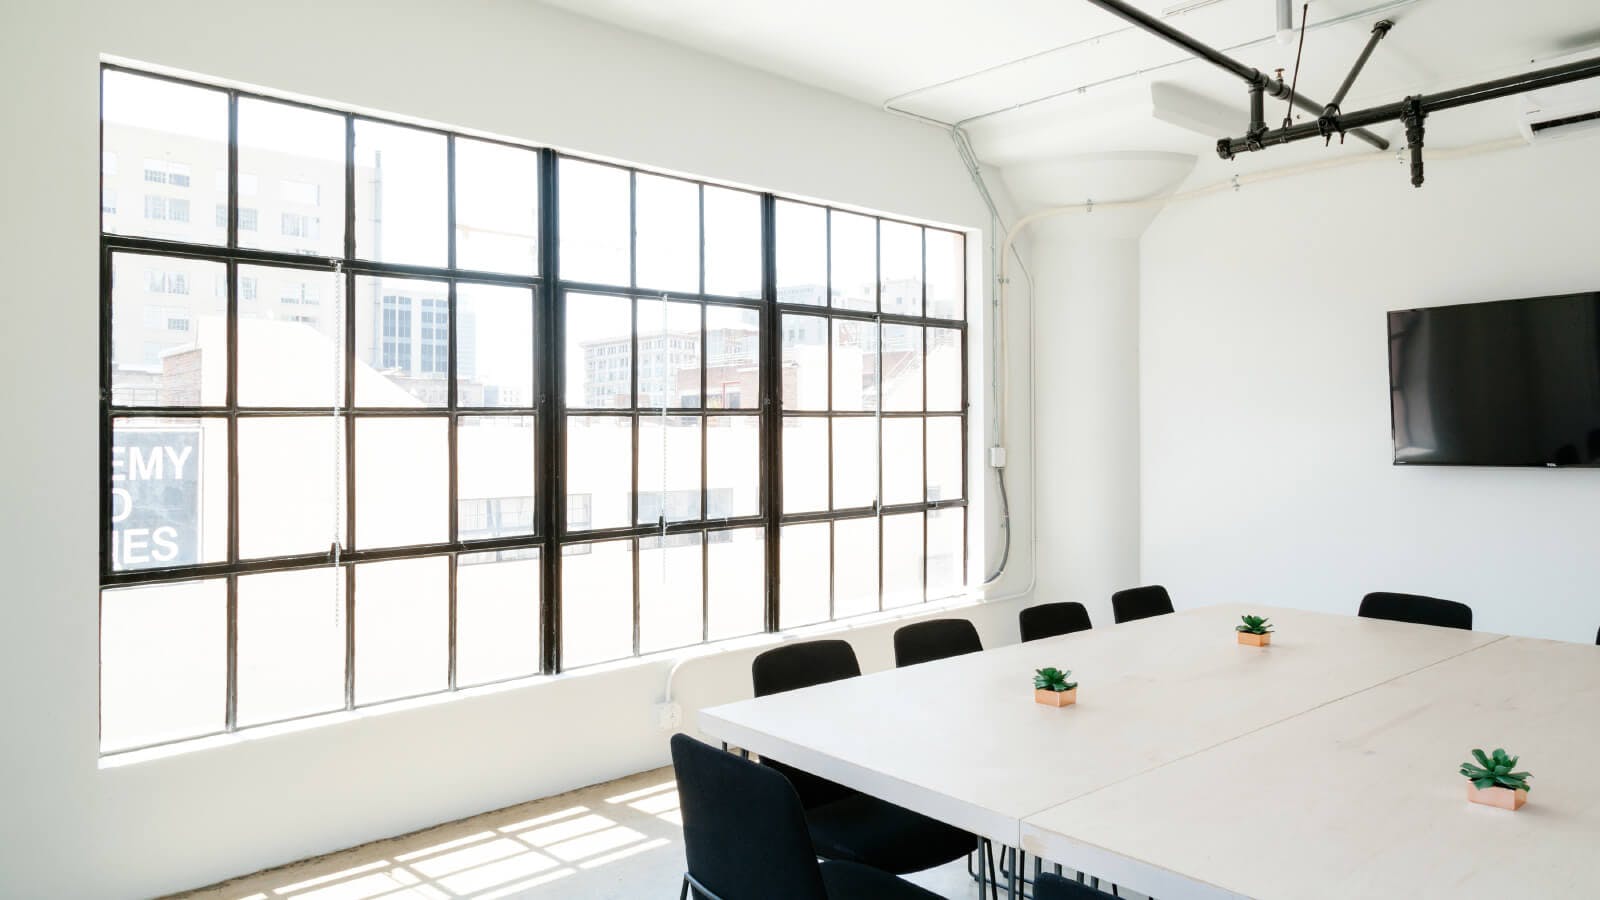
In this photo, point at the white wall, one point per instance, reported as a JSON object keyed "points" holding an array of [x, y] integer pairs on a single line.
{"points": [[511, 67], [1264, 383]]}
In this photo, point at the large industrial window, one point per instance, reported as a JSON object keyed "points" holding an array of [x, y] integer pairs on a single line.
{"points": [[479, 411]]}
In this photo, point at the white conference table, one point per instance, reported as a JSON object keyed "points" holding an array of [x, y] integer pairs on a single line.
{"points": [[1091, 786], [1362, 798]]}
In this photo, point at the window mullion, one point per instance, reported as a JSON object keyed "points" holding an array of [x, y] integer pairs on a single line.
{"points": [[550, 389], [771, 380]]}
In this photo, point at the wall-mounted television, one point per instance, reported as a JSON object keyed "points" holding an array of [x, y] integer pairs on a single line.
{"points": [[1507, 383]]}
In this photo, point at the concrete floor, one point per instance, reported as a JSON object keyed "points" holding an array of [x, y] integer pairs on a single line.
{"points": [[615, 841]]}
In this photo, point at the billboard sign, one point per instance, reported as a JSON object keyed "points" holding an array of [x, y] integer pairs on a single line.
{"points": [[155, 497]]}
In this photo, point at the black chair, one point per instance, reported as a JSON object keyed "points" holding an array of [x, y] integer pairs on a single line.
{"points": [[1597, 638], [1140, 603], [934, 639], [744, 836], [1416, 609], [1054, 887], [846, 824], [1052, 620], [803, 665]]}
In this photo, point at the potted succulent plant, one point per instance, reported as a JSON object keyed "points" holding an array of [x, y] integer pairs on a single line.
{"points": [[1494, 780], [1051, 687], [1256, 631]]}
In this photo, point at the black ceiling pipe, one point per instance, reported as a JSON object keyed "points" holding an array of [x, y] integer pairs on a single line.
{"points": [[1427, 103], [1249, 75], [1379, 31]]}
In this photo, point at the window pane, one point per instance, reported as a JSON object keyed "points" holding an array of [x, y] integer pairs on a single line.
{"points": [[497, 208], [736, 576], [291, 337], [902, 368], [169, 492], [947, 565], [805, 362], [805, 465], [169, 331], [291, 644], [733, 360], [855, 458], [671, 592], [596, 602], [802, 264], [402, 628], [401, 194], [902, 461], [733, 466], [669, 468], [944, 369], [494, 476], [494, 346], [669, 354], [901, 259], [733, 242], [599, 472], [402, 342], [595, 226], [855, 365], [902, 560], [497, 615], [304, 151], [668, 231], [402, 481], [944, 458], [291, 485], [599, 351], [163, 662], [164, 132], [947, 278], [853, 262], [803, 575], [855, 567]]}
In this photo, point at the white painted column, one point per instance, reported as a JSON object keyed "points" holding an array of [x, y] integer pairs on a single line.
{"points": [[1087, 341]]}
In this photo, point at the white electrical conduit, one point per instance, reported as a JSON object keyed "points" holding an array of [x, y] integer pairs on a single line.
{"points": [[1234, 183]]}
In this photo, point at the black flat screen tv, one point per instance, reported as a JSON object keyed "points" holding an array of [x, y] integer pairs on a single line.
{"points": [[1508, 383]]}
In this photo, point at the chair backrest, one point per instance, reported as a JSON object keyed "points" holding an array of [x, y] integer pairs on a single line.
{"points": [[1140, 603], [1052, 619], [1050, 886], [744, 833], [1416, 609], [794, 666], [803, 664], [934, 639]]}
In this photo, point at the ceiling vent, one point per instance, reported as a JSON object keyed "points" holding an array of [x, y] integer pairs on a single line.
{"points": [[1563, 111]]}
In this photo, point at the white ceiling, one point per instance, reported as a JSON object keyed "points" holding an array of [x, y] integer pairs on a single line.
{"points": [[952, 60]]}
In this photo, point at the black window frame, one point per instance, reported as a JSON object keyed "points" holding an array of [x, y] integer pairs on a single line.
{"points": [[547, 406]]}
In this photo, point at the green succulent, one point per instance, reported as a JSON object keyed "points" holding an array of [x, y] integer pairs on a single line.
{"points": [[1053, 679], [1254, 625], [1497, 770]]}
